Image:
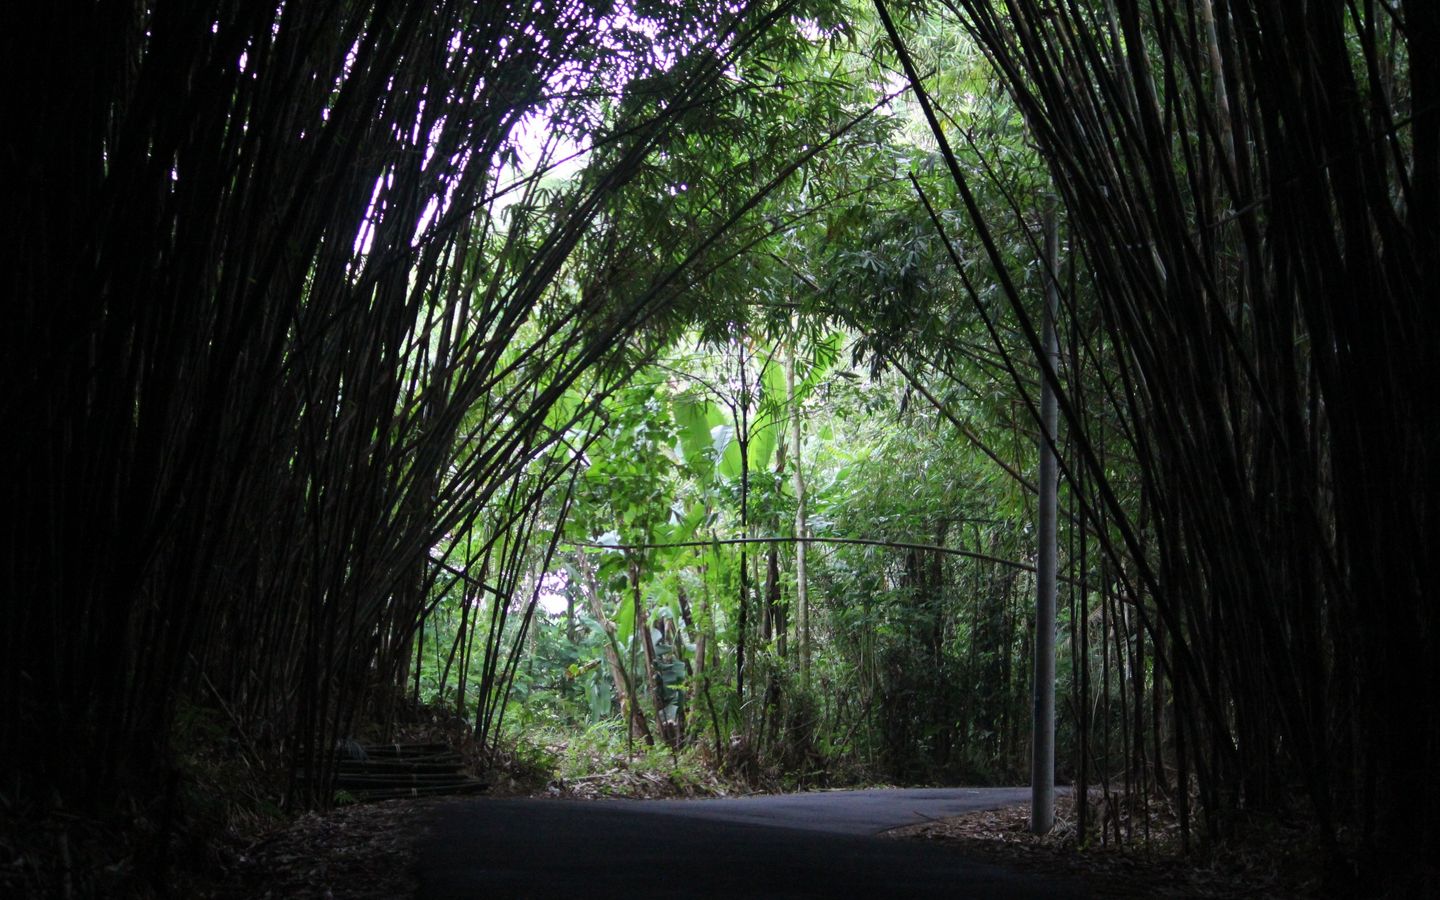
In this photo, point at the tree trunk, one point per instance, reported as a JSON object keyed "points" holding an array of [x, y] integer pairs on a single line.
{"points": [[652, 671], [774, 609], [1042, 759], [802, 595], [618, 676], [743, 420]]}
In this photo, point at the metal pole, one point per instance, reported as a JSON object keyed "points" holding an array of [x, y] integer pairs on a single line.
{"points": [[1042, 757]]}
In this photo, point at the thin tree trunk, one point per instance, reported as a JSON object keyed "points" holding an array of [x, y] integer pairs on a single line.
{"points": [[744, 442], [647, 643], [775, 609], [1042, 760], [618, 676], [1086, 717], [419, 661], [802, 588]]}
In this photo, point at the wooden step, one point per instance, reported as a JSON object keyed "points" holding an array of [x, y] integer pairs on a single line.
{"points": [[406, 751], [393, 771], [377, 766], [368, 796], [397, 779]]}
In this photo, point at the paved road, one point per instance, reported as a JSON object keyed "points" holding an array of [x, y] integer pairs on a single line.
{"points": [[796, 845]]}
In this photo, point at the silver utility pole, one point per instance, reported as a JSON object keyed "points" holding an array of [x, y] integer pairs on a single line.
{"points": [[1042, 755]]}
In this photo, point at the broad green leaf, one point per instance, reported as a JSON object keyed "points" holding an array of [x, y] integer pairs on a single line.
{"points": [[686, 527], [823, 357], [762, 446], [730, 460], [693, 420], [721, 437], [624, 620], [772, 392], [598, 695]]}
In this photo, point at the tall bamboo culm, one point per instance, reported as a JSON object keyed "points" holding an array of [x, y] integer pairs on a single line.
{"points": [[1253, 188], [272, 334]]}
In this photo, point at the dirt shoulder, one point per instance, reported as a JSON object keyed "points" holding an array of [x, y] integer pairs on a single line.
{"points": [[1137, 870]]}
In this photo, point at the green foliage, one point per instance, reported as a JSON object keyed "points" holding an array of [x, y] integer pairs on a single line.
{"points": [[922, 657], [600, 754]]}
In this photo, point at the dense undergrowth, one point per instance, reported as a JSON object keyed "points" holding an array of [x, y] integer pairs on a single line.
{"points": [[601, 762]]}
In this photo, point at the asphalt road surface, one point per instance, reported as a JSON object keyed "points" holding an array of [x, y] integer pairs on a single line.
{"points": [[794, 845]]}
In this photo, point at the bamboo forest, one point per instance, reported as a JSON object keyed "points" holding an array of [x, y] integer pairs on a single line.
{"points": [[676, 399]]}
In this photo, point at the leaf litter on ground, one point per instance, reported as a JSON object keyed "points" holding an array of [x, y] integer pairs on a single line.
{"points": [[1135, 869]]}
